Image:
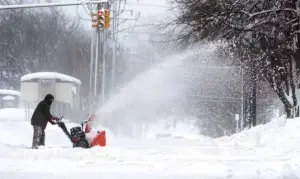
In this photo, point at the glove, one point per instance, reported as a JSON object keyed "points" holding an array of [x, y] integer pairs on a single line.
{"points": [[53, 120]]}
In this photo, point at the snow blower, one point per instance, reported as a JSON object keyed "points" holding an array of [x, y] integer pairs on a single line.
{"points": [[78, 137]]}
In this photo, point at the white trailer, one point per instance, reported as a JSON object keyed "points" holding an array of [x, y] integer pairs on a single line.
{"points": [[64, 88], [9, 98]]}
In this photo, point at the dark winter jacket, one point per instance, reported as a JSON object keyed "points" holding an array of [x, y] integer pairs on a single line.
{"points": [[42, 115]]}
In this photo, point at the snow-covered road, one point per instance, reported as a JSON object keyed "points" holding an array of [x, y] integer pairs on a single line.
{"points": [[269, 151]]}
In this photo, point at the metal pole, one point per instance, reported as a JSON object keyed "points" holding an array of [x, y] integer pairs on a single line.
{"points": [[96, 62], [103, 67], [91, 72], [113, 67]]}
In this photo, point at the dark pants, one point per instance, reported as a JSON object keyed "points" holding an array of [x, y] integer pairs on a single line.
{"points": [[38, 136]]}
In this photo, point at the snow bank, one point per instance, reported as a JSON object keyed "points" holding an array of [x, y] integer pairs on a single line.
{"points": [[9, 92], [279, 133], [15, 114], [50, 75]]}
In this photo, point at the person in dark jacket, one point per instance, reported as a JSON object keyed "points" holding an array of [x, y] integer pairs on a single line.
{"points": [[39, 120]]}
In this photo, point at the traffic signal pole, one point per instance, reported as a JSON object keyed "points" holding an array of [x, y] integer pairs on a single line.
{"points": [[97, 55], [100, 21], [101, 24]]}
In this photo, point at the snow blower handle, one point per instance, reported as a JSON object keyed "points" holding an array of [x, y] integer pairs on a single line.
{"points": [[58, 120], [83, 122]]}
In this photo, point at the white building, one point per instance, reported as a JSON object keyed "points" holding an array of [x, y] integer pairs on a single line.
{"points": [[64, 88], [9, 98]]}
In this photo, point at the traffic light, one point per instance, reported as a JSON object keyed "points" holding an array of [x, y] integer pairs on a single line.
{"points": [[95, 19], [107, 19], [101, 18]]}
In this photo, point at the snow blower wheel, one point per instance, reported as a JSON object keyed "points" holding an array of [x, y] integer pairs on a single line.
{"points": [[79, 138], [82, 143]]}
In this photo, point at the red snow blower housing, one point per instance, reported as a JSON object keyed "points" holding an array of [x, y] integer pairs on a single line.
{"points": [[78, 137]]}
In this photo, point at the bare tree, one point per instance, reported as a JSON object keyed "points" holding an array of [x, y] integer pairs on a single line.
{"points": [[42, 40]]}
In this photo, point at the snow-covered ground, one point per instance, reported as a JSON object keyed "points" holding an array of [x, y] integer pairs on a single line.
{"points": [[183, 128], [267, 151]]}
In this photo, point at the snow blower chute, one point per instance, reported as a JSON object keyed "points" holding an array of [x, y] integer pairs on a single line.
{"points": [[78, 137]]}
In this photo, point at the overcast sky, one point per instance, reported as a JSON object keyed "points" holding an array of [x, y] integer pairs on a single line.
{"points": [[148, 7], [148, 10], [144, 7]]}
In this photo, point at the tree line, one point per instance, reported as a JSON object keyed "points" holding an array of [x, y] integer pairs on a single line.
{"points": [[46, 39]]}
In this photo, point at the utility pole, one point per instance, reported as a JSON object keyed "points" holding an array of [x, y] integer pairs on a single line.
{"points": [[115, 31], [91, 72], [103, 48], [97, 54], [113, 66], [102, 26], [103, 86]]}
